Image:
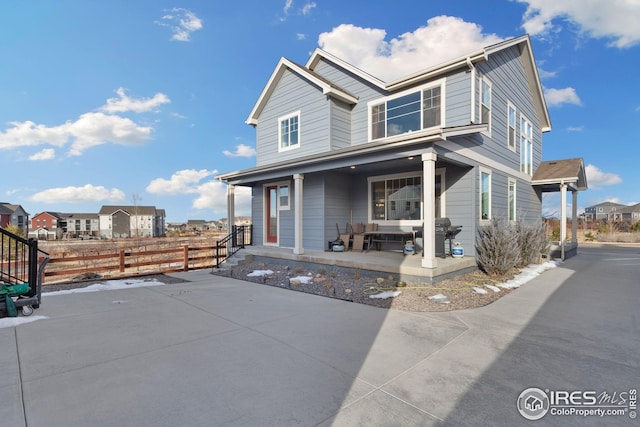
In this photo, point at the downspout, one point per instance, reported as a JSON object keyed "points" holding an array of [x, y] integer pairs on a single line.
{"points": [[472, 68]]}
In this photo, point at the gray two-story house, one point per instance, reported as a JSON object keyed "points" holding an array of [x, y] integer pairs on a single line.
{"points": [[460, 140]]}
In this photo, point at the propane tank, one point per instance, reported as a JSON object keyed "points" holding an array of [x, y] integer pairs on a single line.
{"points": [[457, 251]]}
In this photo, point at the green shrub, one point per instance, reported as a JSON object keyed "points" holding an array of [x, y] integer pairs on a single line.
{"points": [[635, 227]]}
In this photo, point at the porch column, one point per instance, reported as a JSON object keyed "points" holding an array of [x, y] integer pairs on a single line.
{"points": [[429, 213], [297, 223], [574, 217], [231, 207], [563, 218]]}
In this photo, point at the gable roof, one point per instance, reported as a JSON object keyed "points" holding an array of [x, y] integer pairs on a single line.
{"points": [[285, 64], [480, 55], [551, 174], [607, 204], [129, 210]]}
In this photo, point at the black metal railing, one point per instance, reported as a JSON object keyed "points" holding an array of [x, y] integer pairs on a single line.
{"points": [[240, 236], [21, 261]]}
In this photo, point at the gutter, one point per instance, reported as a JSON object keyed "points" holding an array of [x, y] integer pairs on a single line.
{"points": [[473, 89]]}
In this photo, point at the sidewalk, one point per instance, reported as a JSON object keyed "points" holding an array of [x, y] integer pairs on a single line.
{"points": [[221, 352]]}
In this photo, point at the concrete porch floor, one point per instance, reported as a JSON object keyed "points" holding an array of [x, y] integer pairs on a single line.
{"points": [[405, 267]]}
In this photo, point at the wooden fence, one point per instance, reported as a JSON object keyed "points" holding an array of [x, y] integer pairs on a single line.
{"points": [[123, 263]]}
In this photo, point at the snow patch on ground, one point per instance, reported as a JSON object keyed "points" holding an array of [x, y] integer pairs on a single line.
{"points": [[260, 273], [385, 295], [109, 285], [302, 279], [493, 288], [478, 290], [529, 273], [10, 322]]}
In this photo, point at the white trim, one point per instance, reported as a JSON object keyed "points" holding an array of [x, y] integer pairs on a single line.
{"points": [[513, 181], [483, 170], [396, 222], [280, 120], [529, 159], [484, 80], [443, 191], [442, 83], [510, 105]]}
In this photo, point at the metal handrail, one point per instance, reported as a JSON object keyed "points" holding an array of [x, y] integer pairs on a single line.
{"points": [[240, 236]]}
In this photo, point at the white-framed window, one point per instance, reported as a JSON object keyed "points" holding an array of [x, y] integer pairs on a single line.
{"points": [[485, 103], [526, 146], [283, 197], [485, 194], [511, 199], [397, 199], [289, 131], [511, 126], [408, 111]]}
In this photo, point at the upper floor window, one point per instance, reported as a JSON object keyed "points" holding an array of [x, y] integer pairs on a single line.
{"points": [[511, 126], [485, 103], [526, 146], [409, 112], [289, 131]]}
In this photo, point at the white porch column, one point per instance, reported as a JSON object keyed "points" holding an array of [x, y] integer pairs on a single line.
{"points": [[574, 216], [297, 186], [563, 218], [429, 214], [231, 207]]}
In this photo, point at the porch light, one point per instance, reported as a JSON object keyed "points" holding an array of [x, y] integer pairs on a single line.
{"points": [[352, 167], [410, 157]]}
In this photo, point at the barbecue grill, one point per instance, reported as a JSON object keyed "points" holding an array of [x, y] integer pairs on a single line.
{"points": [[446, 231]]}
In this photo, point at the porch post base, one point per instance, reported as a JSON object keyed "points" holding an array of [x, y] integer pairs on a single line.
{"points": [[429, 263]]}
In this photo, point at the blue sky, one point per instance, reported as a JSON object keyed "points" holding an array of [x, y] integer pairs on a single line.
{"points": [[104, 102]]}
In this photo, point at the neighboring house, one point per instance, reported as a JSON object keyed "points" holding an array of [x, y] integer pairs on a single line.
{"points": [[198, 225], [628, 213], [604, 210], [83, 225], [48, 225], [14, 215], [460, 140], [131, 221]]}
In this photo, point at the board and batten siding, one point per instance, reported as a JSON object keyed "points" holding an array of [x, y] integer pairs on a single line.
{"points": [[293, 93]]}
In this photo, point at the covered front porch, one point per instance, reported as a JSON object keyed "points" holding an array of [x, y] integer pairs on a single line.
{"points": [[374, 263]]}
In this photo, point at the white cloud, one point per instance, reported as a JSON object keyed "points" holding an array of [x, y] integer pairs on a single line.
{"points": [[184, 181], [45, 154], [307, 8], [556, 97], [611, 19], [441, 39], [182, 23], [241, 151], [89, 130], [546, 74], [87, 193], [211, 194], [301, 36], [287, 6], [575, 128], [125, 103], [92, 129], [597, 178]]}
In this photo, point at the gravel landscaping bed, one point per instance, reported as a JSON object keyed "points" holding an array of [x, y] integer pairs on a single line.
{"points": [[451, 294]]}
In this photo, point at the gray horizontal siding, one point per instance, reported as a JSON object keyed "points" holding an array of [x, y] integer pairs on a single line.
{"points": [[293, 93]]}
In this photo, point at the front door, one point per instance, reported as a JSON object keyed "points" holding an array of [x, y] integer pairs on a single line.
{"points": [[271, 213]]}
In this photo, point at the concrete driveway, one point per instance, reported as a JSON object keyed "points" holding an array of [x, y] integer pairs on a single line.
{"points": [[220, 352]]}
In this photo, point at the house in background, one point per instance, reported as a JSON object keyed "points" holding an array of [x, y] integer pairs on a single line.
{"points": [[627, 213], [336, 145], [48, 226], [11, 214], [83, 226], [604, 210], [131, 221]]}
